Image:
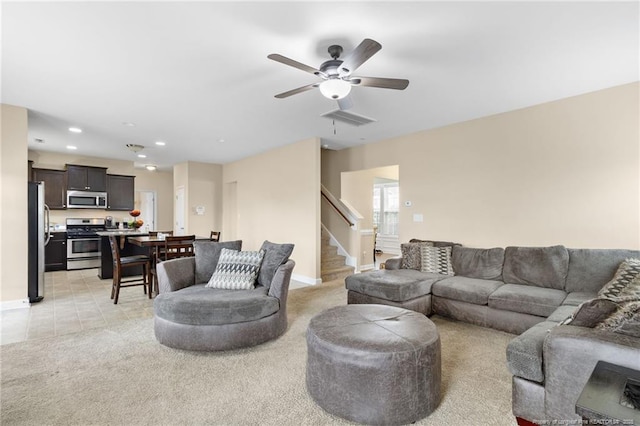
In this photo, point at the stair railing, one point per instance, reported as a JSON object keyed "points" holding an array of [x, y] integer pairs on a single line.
{"points": [[343, 223]]}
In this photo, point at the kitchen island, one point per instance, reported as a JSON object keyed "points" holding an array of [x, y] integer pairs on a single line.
{"points": [[126, 249]]}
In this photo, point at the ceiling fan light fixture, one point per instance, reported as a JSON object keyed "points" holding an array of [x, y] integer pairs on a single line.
{"points": [[335, 88]]}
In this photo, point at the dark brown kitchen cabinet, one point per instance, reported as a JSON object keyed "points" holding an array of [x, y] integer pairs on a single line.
{"points": [[86, 178], [55, 187], [55, 253], [120, 192]]}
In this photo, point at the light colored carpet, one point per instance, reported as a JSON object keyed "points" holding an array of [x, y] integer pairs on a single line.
{"points": [[121, 375]]}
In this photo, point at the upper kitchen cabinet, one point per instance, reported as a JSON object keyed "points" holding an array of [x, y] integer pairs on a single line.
{"points": [[120, 192], [86, 178], [55, 187]]}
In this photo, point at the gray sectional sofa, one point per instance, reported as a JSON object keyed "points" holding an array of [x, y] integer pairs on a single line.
{"points": [[526, 291]]}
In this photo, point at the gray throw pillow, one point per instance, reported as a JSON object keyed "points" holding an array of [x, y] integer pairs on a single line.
{"points": [[207, 254], [411, 256], [275, 255], [626, 320], [484, 264], [625, 284], [591, 312]]}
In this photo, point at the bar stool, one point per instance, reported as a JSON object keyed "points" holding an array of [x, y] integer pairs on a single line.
{"points": [[120, 263]]}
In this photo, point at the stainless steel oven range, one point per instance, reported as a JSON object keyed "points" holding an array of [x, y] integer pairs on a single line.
{"points": [[83, 243]]}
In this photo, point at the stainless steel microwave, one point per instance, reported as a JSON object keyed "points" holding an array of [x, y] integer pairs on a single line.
{"points": [[86, 200]]}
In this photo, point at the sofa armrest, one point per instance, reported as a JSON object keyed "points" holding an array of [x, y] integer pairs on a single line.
{"points": [[393, 263], [280, 283], [571, 354], [176, 274]]}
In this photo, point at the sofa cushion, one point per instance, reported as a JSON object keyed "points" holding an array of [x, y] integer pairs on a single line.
{"points": [[577, 297], [411, 255], [524, 353], [591, 269], [398, 285], [470, 290], [274, 256], [527, 299], [625, 284], [436, 260], [536, 266], [561, 313], [484, 264], [236, 270], [198, 305], [207, 254]]}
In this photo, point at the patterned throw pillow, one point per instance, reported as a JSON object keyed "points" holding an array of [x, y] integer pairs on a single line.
{"points": [[625, 284], [411, 257], [236, 270], [436, 260]]}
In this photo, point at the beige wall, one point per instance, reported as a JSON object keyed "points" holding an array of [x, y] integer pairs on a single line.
{"points": [[275, 196], [565, 172], [13, 206], [203, 187], [160, 182]]}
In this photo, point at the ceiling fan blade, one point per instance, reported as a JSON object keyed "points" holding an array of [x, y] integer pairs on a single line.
{"points": [[359, 56], [384, 83], [292, 63], [345, 103], [296, 91]]}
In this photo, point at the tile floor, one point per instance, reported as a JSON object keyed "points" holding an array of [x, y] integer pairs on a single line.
{"points": [[73, 301]]}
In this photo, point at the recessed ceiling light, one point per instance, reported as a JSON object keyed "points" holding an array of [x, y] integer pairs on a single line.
{"points": [[72, 147], [142, 156], [150, 167], [160, 143], [128, 124], [220, 140], [75, 129]]}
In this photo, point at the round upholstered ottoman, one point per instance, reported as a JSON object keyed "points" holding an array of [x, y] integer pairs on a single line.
{"points": [[374, 364]]}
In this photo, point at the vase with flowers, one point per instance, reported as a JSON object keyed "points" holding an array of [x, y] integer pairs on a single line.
{"points": [[135, 223]]}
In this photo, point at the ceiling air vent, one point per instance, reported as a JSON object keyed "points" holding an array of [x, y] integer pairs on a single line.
{"points": [[348, 117]]}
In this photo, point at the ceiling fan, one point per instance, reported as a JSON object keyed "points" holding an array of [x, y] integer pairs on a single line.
{"points": [[336, 73]]}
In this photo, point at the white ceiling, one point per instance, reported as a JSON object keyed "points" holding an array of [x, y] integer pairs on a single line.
{"points": [[191, 74]]}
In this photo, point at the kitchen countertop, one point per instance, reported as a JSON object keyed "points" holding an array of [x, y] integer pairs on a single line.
{"points": [[125, 232]]}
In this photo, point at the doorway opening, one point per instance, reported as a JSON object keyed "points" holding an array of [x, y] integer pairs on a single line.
{"points": [[145, 201]]}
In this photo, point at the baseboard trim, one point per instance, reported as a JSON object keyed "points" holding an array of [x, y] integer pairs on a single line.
{"points": [[306, 280], [14, 304]]}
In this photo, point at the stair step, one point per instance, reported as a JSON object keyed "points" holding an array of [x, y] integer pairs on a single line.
{"points": [[337, 273], [332, 262]]}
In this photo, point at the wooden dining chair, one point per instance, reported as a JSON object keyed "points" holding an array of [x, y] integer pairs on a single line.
{"points": [[123, 262], [215, 236], [178, 246]]}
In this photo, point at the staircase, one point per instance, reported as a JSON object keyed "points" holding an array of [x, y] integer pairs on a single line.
{"points": [[333, 265]]}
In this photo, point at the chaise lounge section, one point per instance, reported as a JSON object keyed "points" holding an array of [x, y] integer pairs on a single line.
{"points": [[521, 290]]}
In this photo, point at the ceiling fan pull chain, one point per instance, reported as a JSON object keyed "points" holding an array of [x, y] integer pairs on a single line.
{"points": [[334, 126]]}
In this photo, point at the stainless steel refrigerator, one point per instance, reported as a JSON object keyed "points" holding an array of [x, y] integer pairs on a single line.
{"points": [[38, 236]]}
